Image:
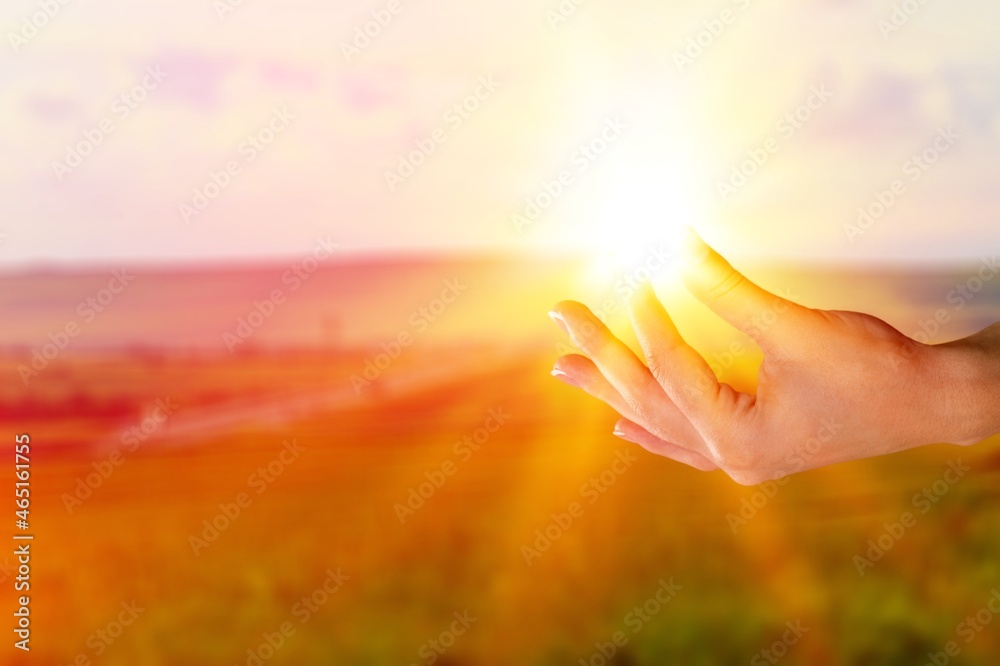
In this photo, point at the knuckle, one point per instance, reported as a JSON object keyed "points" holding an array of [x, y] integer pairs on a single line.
{"points": [[725, 286], [742, 463], [657, 367]]}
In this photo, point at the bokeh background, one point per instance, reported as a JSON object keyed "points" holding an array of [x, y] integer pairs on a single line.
{"points": [[274, 281]]}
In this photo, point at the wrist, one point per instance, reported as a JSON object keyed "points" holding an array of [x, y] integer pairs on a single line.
{"points": [[968, 402]]}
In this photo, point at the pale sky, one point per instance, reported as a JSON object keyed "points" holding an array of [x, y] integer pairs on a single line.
{"points": [[340, 123]]}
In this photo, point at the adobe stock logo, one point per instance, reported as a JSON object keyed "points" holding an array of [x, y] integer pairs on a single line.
{"points": [[785, 129], [712, 30], [420, 321], [461, 111], [463, 451], [900, 16], [218, 181], [913, 170], [636, 619], [563, 12], [121, 108], [32, 25], [592, 490], [248, 324], [223, 8], [925, 500], [365, 34], [87, 311], [585, 156]]}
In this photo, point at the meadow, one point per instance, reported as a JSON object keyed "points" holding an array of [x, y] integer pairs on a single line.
{"points": [[260, 520]]}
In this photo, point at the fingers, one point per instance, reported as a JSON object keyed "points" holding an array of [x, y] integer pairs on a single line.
{"points": [[684, 375], [632, 432], [755, 311], [632, 380], [617, 363], [579, 371]]}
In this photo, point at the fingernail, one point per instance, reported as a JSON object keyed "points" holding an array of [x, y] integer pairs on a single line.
{"points": [[618, 432], [562, 376], [560, 322]]}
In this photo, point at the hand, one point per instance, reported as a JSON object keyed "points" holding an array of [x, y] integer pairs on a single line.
{"points": [[834, 386]]}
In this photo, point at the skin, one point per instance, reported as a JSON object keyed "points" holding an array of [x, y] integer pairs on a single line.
{"points": [[834, 386]]}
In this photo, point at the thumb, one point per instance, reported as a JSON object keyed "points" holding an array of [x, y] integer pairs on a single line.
{"points": [[729, 294]]}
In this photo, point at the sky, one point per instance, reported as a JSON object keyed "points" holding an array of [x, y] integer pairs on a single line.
{"points": [[211, 131]]}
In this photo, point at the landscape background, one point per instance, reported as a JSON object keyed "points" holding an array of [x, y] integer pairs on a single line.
{"points": [[336, 506], [293, 255]]}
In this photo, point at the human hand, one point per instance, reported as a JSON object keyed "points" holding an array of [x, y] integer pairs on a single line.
{"points": [[834, 386]]}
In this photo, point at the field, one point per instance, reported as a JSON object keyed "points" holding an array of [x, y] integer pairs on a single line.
{"points": [[276, 515]]}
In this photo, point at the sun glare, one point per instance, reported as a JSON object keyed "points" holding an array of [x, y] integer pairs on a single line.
{"points": [[637, 212]]}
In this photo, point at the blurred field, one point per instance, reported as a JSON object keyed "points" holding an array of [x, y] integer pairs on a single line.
{"points": [[334, 508]]}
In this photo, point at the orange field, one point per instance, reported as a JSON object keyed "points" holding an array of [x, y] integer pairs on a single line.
{"points": [[333, 511], [458, 506]]}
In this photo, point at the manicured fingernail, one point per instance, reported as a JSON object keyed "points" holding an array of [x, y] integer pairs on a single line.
{"points": [[618, 432], [560, 322], [562, 376]]}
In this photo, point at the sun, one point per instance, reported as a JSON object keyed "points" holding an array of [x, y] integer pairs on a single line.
{"points": [[635, 213]]}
